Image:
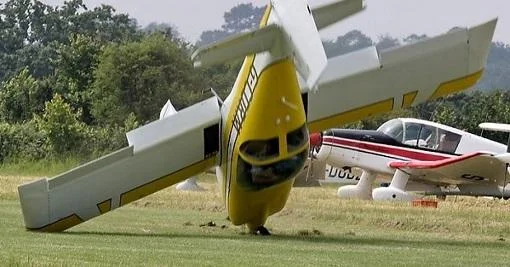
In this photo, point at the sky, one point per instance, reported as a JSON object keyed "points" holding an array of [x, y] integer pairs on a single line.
{"points": [[398, 18]]}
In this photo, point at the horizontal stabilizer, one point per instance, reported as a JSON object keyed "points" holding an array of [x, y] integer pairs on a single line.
{"points": [[327, 14], [237, 46], [498, 127]]}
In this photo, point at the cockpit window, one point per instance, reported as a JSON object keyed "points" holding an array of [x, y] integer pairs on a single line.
{"points": [[428, 137], [393, 128], [448, 141], [411, 133], [261, 149], [256, 177], [421, 135], [297, 138]]}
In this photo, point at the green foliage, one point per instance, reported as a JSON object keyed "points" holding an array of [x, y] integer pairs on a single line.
{"points": [[139, 77], [238, 19], [467, 111], [75, 66], [374, 122], [61, 126], [19, 98], [21, 142], [347, 43]]}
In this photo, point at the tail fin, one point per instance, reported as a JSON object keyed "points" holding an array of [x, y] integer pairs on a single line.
{"points": [[291, 32]]}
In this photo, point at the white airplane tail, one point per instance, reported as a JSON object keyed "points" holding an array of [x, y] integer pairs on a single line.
{"points": [[290, 32]]}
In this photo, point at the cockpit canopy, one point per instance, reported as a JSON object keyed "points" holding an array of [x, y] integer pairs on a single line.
{"points": [[258, 167], [421, 135], [262, 150]]}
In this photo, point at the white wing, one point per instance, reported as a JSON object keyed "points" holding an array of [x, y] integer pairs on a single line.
{"points": [[159, 155], [368, 82]]}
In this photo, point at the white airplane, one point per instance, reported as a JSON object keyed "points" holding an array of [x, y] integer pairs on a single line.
{"points": [[418, 155], [257, 138], [189, 184]]}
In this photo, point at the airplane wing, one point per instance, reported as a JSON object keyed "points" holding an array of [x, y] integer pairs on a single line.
{"points": [[368, 82], [159, 155], [478, 167], [327, 14]]}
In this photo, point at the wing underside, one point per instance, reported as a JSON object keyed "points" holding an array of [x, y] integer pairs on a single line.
{"points": [[369, 82], [159, 155]]}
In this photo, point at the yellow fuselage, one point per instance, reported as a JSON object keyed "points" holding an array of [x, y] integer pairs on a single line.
{"points": [[265, 104]]}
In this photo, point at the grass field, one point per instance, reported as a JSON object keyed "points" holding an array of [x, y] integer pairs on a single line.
{"points": [[315, 229]]}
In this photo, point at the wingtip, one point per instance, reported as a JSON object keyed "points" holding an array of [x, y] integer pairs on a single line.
{"points": [[480, 39]]}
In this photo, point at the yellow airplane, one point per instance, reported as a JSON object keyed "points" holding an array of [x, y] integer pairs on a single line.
{"points": [[257, 138]]}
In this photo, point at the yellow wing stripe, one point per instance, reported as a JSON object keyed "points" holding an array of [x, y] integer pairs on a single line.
{"points": [[60, 225], [166, 181], [105, 206], [408, 99], [351, 115], [265, 17], [456, 85]]}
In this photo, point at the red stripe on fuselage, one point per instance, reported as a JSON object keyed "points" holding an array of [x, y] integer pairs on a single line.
{"points": [[434, 164], [412, 154]]}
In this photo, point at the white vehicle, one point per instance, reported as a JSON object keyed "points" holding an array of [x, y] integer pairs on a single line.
{"points": [[418, 155], [257, 138]]}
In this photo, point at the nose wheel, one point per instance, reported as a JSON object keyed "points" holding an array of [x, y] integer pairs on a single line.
{"points": [[261, 230]]}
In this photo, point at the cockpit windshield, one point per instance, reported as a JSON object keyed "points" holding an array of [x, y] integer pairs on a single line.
{"points": [[393, 128], [297, 138], [256, 177], [261, 149]]}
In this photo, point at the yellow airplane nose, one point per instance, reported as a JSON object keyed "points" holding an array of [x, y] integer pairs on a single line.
{"points": [[274, 137], [275, 117]]}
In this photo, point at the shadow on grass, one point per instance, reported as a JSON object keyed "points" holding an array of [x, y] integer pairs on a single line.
{"points": [[337, 239]]}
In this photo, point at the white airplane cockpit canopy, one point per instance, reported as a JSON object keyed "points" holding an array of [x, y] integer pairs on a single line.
{"points": [[435, 136]]}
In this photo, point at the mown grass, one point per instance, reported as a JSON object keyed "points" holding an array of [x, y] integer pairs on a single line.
{"points": [[43, 168], [315, 228]]}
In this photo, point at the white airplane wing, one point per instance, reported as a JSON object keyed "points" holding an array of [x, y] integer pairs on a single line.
{"points": [[368, 82], [159, 155], [470, 168], [327, 14]]}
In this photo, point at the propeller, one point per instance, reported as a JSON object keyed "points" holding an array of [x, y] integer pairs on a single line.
{"points": [[315, 144]]}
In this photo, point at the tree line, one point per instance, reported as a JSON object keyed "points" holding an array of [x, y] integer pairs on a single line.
{"points": [[73, 80]]}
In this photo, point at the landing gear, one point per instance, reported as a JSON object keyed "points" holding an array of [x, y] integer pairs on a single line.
{"points": [[396, 190], [362, 190], [261, 230]]}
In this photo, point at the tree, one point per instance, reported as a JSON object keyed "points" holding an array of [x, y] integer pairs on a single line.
{"points": [[19, 98], [75, 66], [62, 127], [386, 41], [240, 18], [139, 77], [351, 41], [414, 38]]}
